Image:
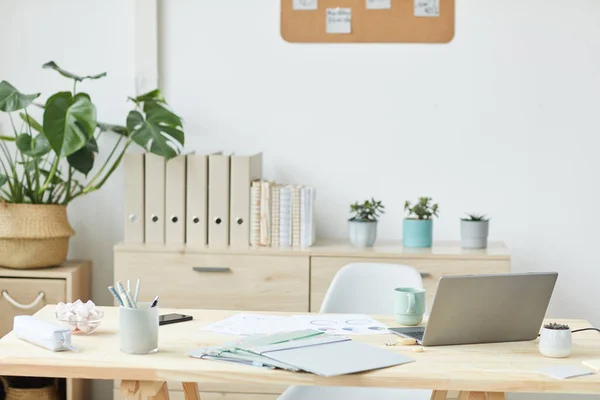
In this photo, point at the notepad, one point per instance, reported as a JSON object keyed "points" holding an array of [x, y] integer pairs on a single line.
{"points": [[304, 350], [565, 371]]}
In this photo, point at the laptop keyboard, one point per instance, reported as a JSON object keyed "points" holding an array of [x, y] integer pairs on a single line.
{"points": [[415, 334]]}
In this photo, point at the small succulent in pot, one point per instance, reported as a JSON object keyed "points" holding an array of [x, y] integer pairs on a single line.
{"points": [[474, 231], [555, 340], [417, 227], [556, 326], [362, 227]]}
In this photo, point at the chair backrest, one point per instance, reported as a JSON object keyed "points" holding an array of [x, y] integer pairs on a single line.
{"points": [[368, 288]]}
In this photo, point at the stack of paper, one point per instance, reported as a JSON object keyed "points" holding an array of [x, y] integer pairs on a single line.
{"points": [[265, 214], [255, 214], [307, 226], [275, 215], [296, 221], [285, 216]]}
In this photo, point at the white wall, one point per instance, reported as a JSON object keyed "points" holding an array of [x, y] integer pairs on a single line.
{"points": [[85, 37], [503, 120]]}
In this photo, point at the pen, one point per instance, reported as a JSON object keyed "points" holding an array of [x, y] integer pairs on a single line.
{"points": [[154, 302], [128, 285], [130, 299], [137, 290], [123, 295], [112, 290]]}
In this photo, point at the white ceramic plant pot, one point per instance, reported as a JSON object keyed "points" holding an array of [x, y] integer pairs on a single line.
{"points": [[474, 234], [555, 343], [362, 233]]}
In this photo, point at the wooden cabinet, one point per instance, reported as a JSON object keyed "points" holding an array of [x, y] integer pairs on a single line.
{"points": [[269, 279], [219, 281], [27, 291]]}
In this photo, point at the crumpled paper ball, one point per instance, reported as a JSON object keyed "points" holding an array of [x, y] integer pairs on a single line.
{"points": [[78, 314]]}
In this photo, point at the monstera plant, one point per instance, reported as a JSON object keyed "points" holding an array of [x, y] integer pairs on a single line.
{"points": [[52, 161]]}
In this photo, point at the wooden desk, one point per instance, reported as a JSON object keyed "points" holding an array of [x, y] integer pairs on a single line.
{"points": [[479, 371]]}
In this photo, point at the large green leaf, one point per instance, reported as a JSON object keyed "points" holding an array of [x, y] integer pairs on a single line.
{"points": [[69, 122], [158, 133], [13, 100], [33, 147], [121, 130], [52, 65], [29, 120], [154, 95], [83, 159]]}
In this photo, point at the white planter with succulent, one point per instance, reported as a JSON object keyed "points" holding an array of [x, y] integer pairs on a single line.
{"points": [[474, 231], [362, 227], [555, 340]]}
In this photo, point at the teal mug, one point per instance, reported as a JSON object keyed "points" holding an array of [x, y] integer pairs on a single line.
{"points": [[409, 305]]}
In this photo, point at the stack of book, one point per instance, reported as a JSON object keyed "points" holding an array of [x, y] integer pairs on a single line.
{"points": [[281, 215]]}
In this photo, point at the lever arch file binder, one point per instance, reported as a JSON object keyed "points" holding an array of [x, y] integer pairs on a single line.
{"points": [[197, 200], [134, 198], [244, 170], [175, 200], [155, 198], [218, 200]]}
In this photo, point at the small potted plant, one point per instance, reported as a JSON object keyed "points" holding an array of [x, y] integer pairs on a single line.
{"points": [[474, 230], [418, 224], [555, 340], [362, 227]]}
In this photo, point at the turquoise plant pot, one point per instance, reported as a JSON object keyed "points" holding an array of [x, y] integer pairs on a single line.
{"points": [[417, 233]]}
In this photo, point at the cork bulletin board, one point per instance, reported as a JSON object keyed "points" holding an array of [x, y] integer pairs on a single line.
{"points": [[367, 21]]}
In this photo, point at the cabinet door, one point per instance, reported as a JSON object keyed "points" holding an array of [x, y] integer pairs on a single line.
{"points": [[24, 292], [323, 269], [219, 281]]}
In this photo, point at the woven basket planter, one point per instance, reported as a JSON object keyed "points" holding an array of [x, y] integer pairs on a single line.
{"points": [[33, 236], [49, 392]]}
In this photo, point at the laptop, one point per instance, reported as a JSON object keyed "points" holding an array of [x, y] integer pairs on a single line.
{"points": [[485, 309]]}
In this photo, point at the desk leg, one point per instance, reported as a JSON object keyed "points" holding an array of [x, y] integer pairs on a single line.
{"points": [[439, 395], [154, 390], [130, 390], [190, 391], [141, 390], [481, 396]]}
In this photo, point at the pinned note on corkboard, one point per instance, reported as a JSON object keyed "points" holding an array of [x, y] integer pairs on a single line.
{"points": [[367, 21]]}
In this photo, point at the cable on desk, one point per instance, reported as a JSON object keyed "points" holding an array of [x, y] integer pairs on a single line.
{"points": [[582, 330]]}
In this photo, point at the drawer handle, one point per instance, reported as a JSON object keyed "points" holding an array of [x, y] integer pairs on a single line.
{"points": [[15, 303], [211, 269], [425, 275]]}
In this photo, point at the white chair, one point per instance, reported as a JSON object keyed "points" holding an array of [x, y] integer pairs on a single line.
{"points": [[363, 288]]}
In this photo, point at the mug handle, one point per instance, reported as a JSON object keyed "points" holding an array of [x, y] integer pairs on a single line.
{"points": [[411, 303]]}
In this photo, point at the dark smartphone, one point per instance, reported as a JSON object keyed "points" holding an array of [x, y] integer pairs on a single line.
{"points": [[173, 318]]}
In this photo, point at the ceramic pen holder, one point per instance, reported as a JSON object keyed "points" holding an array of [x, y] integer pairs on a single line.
{"points": [[138, 329], [555, 341]]}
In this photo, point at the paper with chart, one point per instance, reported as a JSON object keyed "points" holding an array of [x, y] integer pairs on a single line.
{"points": [[427, 8], [378, 4], [339, 20], [342, 324], [335, 324]]}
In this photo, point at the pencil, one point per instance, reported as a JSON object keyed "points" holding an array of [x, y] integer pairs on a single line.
{"points": [[137, 290]]}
